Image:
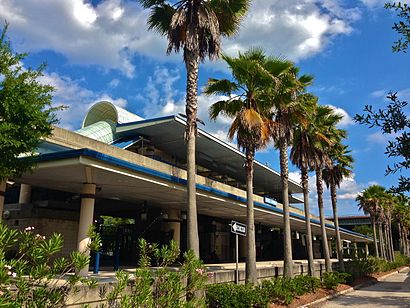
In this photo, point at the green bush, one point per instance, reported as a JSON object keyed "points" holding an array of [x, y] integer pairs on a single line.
{"points": [[236, 296], [164, 287], [30, 273], [279, 289], [330, 280]]}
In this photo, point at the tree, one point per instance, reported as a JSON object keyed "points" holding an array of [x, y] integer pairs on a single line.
{"points": [[392, 120], [26, 112], [196, 27], [328, 120], [369, 201], [402, 27], [305, 156], [246, 104], [286, 111], [333, 174]]}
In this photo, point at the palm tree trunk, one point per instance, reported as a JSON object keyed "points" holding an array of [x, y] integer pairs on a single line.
{"points": [[319, 186], [386, 242], [400, 239], [339, 246], [309, 245], [287, 245], [391, 241], [381, 239], [192, 64], [251, 272], [376, 246]]}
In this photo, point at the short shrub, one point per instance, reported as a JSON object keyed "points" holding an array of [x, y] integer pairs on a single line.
{"points": [[331, 280], [237, 296]]}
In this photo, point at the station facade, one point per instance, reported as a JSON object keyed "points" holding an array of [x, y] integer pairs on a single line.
{"points": [[120, 165]]}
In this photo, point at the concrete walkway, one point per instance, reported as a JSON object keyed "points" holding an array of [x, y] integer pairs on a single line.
{"points": [[393, 291]]}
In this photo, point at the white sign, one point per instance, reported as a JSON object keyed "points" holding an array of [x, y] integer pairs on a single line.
{"points": [[238, 228]]}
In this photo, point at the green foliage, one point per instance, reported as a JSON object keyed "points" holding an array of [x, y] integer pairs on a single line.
{"points": [[363, 267], [331, 280], [238, 296], [394, 121], [363, 229], [402, 27], [26, 112], [162, 287], [282, 290], [30, 273]]}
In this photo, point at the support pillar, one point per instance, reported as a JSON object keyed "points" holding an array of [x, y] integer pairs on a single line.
{"points": [[356, 254], [2, 192], [174, 223], [25, 193], [366, 249], [86, 220]]}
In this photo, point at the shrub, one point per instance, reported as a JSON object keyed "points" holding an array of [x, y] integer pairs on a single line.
{"points": [[237, 296], [163, 287], [331, 280], [31, 275]]}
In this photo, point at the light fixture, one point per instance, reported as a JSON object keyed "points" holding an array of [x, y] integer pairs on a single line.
{"points": [[164, 215], [183, 216]]}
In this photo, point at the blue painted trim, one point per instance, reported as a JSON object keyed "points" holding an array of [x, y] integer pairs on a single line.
{"points": [[121, 163]]}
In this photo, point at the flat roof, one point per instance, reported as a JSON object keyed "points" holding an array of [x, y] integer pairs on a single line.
{"points": [[166, 133]]}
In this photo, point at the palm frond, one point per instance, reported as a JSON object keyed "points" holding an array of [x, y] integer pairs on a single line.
{"points": [[220, 87]]}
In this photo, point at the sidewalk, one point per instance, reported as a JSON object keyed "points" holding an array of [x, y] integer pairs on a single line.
{"points": [[393, 291]]}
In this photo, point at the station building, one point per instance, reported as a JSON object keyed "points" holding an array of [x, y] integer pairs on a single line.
{"points": [[120, 165]]}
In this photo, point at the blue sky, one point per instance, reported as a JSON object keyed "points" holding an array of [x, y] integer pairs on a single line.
{"points": [[101, 50]]}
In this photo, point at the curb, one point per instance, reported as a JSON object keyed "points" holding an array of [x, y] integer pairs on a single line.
{"points": [[359, 286]]}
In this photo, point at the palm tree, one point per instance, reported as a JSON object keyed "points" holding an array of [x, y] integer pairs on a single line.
{"points": [[333, 175], [286, 111], [305, 155], [196, 27], [245, 103], [369, 202], [401, 215], [329, 121]]}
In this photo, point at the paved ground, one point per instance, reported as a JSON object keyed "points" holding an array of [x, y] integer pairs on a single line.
{"points": [[393, 291]]}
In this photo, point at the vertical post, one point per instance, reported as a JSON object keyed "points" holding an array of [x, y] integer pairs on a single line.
{"points": [[174, 224], [86, 220], [356, 254], [25, 193], [366, 249], [237, 258], [2, 192]]}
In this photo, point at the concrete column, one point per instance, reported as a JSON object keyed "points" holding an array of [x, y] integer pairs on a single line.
{"points": [[86, 220], [2, 191], [25, 193], [366, 249], [356, 253], [174, 223]]}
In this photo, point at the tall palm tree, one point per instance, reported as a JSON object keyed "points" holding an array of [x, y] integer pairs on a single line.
{"points": [[286, 111], [196, 27], [305, 155], [329, 119], [245, 103], [369, 202], [340, 167]]}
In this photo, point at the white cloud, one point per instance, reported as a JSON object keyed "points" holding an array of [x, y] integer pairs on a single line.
{"points": [[110, 33], [77, 99], [106, 35], [296, 29], [374, 3], [346, 120]]}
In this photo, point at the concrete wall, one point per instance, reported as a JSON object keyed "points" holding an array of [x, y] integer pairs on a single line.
{"points": [[48, 226], [94, 296]]}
